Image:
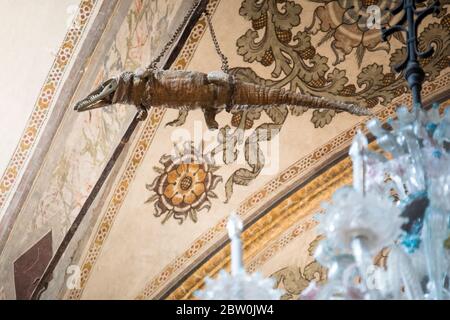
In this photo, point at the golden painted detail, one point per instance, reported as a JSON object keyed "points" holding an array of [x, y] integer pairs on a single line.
{"points": [[41, 108], [184, 186], [447, 243], [265, 232], [144, 140], [380, 259], [268, 235], [294, 279]]}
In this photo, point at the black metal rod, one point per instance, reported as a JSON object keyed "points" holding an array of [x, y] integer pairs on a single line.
{"points": [[48, 273], [414, 73]]}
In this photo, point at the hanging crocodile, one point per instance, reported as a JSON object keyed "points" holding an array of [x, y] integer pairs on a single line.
{"points": [[188, 90]]}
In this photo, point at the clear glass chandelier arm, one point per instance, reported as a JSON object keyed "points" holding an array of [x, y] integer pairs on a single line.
{"points": [[385, 139], [398, 170], [349, 274], [417, 178], [434, 233], [331, 291], [394, 283], [357, 152], [362, 257], [399, 265], [238, 285], [238, 289], [439, 189], [442, 132], [398, 186]]}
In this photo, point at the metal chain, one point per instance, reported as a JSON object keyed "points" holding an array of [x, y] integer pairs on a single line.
{"points": [[223, 58], [168, 45], [154, 63]]}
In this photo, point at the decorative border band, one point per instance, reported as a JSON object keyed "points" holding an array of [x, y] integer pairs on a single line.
{"points": [[272, 226], [144, 141], [44, 100]]}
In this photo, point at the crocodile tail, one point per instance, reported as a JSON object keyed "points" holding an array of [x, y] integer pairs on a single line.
{"points": [[251, 94]]}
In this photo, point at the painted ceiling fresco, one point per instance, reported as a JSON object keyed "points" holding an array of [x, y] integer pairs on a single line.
{"points": [[84, 144], [157, 227]]}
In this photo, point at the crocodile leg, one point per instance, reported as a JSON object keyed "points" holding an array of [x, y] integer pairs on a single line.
{"points": [[210, 118]]}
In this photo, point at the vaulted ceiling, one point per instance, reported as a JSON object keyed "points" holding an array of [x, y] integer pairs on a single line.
{"points": [[143, 235]]}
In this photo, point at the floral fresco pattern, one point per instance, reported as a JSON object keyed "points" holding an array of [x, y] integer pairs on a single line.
{"points": [[295, 58], [349, 24], [184, 186], [297, 65], [294, 279]]}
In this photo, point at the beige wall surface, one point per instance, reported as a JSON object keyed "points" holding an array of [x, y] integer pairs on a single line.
{"points": [[32, 32], [43, 36]]}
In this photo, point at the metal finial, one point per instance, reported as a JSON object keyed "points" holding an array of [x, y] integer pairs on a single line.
{"points": [[409, 21]]}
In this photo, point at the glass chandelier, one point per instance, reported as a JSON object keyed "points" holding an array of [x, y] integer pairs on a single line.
{"points": [[400, 199]]}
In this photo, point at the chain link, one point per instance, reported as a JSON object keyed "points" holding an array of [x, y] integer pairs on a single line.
{"points": [[223, 58], [154, 63]]}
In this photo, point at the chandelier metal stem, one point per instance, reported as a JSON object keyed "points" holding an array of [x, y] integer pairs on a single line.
{"points": [[410, 19]]}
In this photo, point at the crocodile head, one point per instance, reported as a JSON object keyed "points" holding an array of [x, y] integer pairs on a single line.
{"points": [[109, 92]]}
